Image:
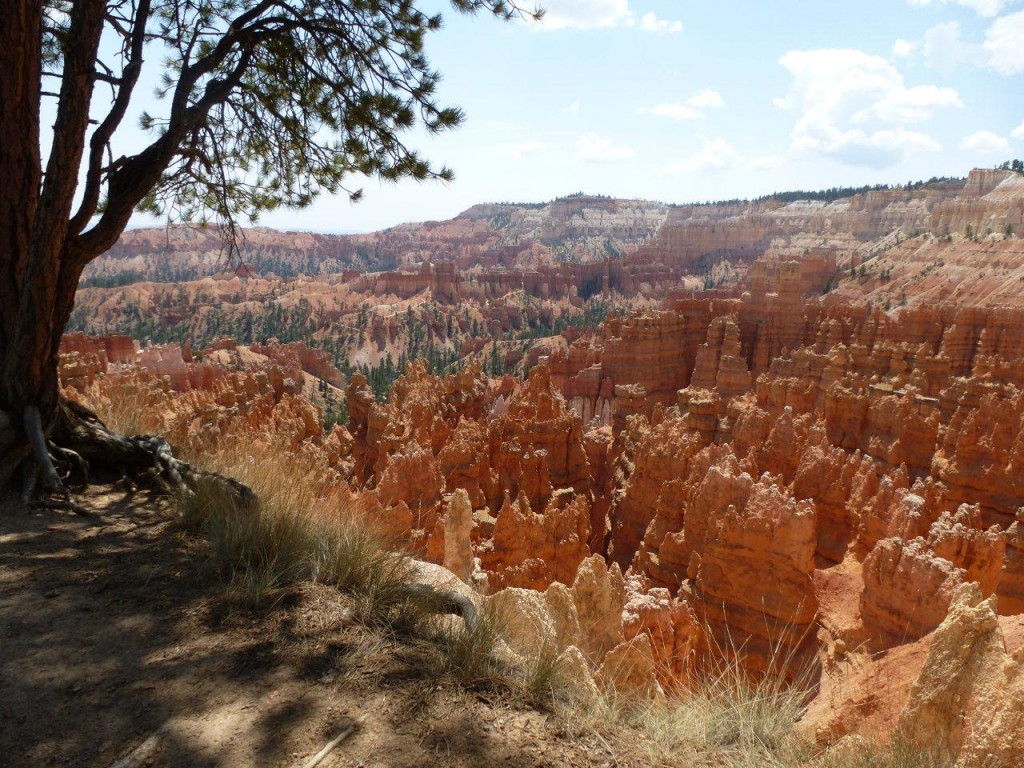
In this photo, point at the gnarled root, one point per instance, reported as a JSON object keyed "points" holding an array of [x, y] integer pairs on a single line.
{"points": [[65, 457], [81, 442], [33, 426]]}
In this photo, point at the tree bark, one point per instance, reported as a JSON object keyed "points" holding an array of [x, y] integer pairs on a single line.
{"points": [[20, 61], [39, 269]]}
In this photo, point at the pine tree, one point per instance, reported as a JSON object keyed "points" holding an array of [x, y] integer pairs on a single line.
{"points": [[267, 103]]}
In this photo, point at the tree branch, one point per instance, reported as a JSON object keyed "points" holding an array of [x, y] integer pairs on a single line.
{"points": [[70, 126], [102, 135]]}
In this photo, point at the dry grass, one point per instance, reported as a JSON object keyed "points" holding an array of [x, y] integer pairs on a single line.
{"points": [[898, 754], [730, 725], [544, 681], [125, 410], [479, 657], [471, 654], [727, 718], [297, 532]]}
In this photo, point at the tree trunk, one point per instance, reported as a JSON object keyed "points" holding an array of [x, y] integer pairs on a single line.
{"points": [[38, 270], [20, 379], [42, 256]]}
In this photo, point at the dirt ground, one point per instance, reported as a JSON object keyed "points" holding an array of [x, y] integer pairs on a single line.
{"points": [[115, 626]]}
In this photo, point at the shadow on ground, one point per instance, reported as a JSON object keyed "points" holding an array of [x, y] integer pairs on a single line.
{"points": [[115, 625]]}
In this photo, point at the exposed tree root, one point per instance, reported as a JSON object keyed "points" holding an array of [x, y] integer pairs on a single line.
{"points": [[80, 444], [33, 425], [330, 745], [65, 457], [144, 753]]}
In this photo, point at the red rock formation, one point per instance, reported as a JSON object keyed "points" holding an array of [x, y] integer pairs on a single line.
{"points": [[670, 624], [536, 446], [960, 538], [315, 362], [532, 550], [811, 477], [1011, 583], [767, 622], [652, 459], [719, 365], [110, 349], [907, 591]]}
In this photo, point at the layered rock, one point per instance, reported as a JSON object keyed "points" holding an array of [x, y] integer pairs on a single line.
{"points": [[532, 550], [907, 591], [536, 445], [654, 457], [814, 479], [768, 623], [1011, 583], [966, 700]]}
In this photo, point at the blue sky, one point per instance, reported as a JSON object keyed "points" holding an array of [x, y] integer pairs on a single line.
{"points": [[682, 101]]}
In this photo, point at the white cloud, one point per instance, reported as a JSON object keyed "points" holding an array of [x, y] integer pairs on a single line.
{"points": [[651, 23], [602, 14], [904, 49], [943, 48], [1018, 132], [585, 14], [706, 99], [985, 141], [910, 105], [674, 111], [853, 106], [876, 149], [1004, 44], [717, 155], [572, 109], [692, 109], [596, 148], [981, 7], [766, 163], [523, 148]]}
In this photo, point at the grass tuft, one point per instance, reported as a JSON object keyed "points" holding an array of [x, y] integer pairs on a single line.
{"points": [[296, 532], [543, 679], [471, 655], [726, 720], [899, 753]]}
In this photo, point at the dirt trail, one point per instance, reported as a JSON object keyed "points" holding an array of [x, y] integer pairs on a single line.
{"points": [[114, 625]]}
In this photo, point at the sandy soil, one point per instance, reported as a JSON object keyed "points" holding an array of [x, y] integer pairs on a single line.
{"points": [[115, 625]]}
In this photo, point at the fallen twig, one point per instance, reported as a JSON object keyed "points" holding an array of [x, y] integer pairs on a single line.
{"points": [[144, 751], [69, 506], [330, 745]]}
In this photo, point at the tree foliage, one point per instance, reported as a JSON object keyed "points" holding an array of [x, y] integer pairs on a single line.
{"points": [[1017, 166], [268, 102], [264, 103]]}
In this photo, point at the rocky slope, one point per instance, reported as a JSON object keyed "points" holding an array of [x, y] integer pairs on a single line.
{"points": [[800, 485], [796, 472]]}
